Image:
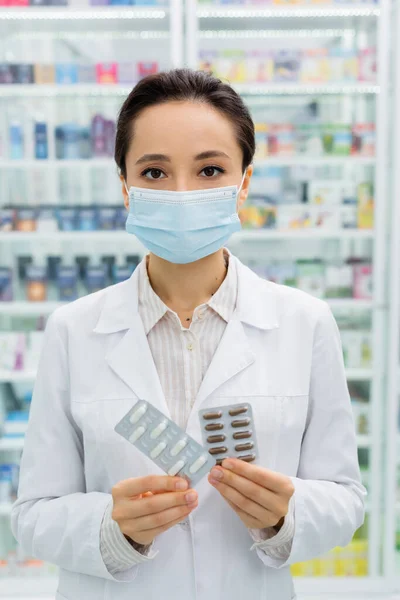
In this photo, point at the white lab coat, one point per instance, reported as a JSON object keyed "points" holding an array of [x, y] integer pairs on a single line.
{"points": [[281, 352]]}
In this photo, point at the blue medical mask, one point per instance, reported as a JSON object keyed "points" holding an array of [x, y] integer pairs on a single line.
{"points": [[182, 227]]}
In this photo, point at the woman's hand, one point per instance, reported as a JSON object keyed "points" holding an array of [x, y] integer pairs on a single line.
{"points": [[144, 507], [258, 496]]}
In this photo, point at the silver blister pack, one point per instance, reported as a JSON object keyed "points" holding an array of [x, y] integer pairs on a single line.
{"points": [[228, 431], [166, 444]]}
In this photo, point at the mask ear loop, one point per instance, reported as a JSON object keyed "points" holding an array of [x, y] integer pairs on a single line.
{"points": [[242, 182], [126, 187]]}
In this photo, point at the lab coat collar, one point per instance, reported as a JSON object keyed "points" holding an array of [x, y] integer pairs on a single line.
{"points": [[256, 302]]}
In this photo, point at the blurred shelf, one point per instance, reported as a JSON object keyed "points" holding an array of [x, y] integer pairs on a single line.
{"points": [[5, 509], [45, 308], [63, 13], [260, 235], [268, 89], [359, 374], [289, 161], [11, 444], [36, 90], [363, 441], [17, 376], [115, 89], [246, 12], [313, 161], [350, 303], [29, 587], [253, 235], [28, 308], [90, 163]]}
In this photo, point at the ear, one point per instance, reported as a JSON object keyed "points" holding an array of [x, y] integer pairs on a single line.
{"points": [[124, 192], [245, 187]]}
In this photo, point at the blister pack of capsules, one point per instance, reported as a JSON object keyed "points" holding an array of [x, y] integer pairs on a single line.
{"points": [[166, 444], [228, 431]]}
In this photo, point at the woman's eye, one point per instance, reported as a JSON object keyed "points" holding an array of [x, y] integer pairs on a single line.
{"points": [[153, 174], [212, 171]]}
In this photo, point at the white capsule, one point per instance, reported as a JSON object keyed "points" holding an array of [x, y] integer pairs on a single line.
{"points": [[178, 447], [176, 467], [158, 449], [198, 464], [138, 414], [137, 434], [157, 431]]}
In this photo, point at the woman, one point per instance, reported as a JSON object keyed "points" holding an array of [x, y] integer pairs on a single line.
{"points": [[192, 328]]}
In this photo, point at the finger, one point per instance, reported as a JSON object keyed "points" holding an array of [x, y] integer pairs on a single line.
{"points": [[265, 477], [245, 504], [248, 520], [251, 490], [163, 518], [150, 483], [156, 503], [159, 530]]}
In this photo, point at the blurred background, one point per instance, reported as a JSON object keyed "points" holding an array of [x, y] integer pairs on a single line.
{"points": [[322, 80]]}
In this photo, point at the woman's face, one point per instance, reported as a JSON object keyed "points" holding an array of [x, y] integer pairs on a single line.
{"points": [[184, 146]]}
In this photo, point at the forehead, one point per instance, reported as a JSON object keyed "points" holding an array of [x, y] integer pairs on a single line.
{"points": [[177, 124]]}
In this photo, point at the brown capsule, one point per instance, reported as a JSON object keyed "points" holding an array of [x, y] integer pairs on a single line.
{"points": [[215, 439], [241, 423], [218, 450], [220, 461], [212, 415], [242, 447], [242, 435], [214, 427], [240, 410], [247, 457]]}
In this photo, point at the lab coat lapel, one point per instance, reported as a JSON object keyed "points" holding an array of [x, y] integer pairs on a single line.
{"points": [[133, 362], [232, 356], [131, 358]]}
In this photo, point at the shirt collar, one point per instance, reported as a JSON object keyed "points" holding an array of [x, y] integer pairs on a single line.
{"points": [[152, 309]]}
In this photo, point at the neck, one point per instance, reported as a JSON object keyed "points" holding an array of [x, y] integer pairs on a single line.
{"points": [[184, 287]]}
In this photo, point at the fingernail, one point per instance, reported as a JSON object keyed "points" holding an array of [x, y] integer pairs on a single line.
{"points": [[181, 485], [216, 474], [191, 497]]}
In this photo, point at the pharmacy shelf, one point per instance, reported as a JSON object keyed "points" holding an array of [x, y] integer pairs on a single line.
{"points": [[249, 235], [5, 509], [45, 308], [90, 13], [34, 588], [90, 163], [313, 161], [17, 376], [299, 89], [11, 444], [309, 161], [15, 309], [350, 304], [364, 441], [254, 12], [37, 90], [114, 89], [359, 374]]}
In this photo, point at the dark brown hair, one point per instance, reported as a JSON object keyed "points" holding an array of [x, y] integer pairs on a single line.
{"points": [[184, 84]]}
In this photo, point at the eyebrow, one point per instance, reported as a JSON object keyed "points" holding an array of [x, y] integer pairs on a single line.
{"points": [[210, 154], [163, 157], [151, 157]]}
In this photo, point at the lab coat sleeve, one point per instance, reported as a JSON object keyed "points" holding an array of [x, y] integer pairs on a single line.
{"points": [[54, 519], [117, 552], [276, 545], [329, 496]]}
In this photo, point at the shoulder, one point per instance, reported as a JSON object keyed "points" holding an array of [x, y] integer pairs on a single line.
{"points": [[294, 303]]}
